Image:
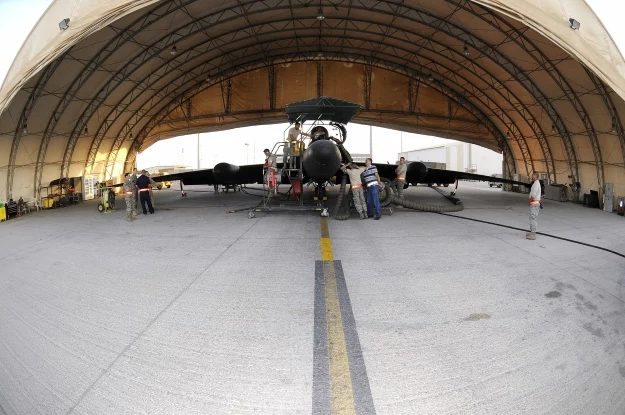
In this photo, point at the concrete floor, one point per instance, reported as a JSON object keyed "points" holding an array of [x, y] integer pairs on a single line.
{"points": [[195, 311]]}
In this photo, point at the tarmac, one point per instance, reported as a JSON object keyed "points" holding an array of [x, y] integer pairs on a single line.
{"points": [[193, 310]]}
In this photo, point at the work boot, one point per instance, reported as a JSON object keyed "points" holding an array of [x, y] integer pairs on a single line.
{"points": [[531, 236], [363, 215], [134, 213]]}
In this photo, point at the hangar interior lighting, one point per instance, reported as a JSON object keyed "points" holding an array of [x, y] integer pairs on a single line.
{"points": [[553, 129], [86, 131], [613, 125], [320, 16], [25, 130], [508, 134], [64, 24], [465, 52], [574, 24], [430, 78], [173, 51], [319, 54]]}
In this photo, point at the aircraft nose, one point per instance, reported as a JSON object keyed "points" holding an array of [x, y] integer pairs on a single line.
{"points": [[322, 160]]}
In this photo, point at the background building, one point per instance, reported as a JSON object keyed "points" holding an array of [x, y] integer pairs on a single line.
{"points": [[460, 157]]}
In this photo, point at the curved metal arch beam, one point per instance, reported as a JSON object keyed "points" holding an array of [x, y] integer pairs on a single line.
{"points": [[609, 104], [517, 73], [79, 129], [125, 35], [449, 92], [22, 123], [185, 31], [118, 141], [192, 91], [552, 70]]}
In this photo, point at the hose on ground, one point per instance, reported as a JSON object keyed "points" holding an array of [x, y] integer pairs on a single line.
{"points": [[341, 210], [456, 207], [386, 194]]}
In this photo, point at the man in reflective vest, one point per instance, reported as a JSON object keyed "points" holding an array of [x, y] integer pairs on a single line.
{"points": [[143, 183], [354, 172], [400, 180], [535, 194], [129, 197]]}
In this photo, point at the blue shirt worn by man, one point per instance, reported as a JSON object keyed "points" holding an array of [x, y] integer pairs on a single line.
{"points": [[143, 182]]}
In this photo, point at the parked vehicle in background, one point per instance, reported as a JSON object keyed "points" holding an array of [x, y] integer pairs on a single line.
{"points": [[491, 184]]}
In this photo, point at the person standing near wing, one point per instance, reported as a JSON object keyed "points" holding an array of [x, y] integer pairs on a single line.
{"points": [[372, 180], [535, 194], [143, 183], [129, 197], [291, 141], [270, 165], [354, 172], [135, 198], [400, 180]]}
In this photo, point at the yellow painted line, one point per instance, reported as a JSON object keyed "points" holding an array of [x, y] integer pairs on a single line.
{"points": [[341, 391], [326, 249], [326, 243]]}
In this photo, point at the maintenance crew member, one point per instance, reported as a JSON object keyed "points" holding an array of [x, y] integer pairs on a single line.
{"points": [[292, 140], [270, 165], [535, 193], [129, 197], [372, 180], [400, 180], [152, 184], [354, 172], [143, 184], [133, 179]]}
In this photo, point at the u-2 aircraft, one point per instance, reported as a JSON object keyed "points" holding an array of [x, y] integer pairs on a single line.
{"points": [[322, 159]]}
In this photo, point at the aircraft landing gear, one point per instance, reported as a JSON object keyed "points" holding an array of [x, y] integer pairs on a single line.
{"points": [[324, 213], [251, 214], [453, 193], [183, 193]]}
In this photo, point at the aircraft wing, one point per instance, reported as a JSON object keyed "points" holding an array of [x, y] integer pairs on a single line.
{"points": [[222, 173], [418, 173], [450, 176]]}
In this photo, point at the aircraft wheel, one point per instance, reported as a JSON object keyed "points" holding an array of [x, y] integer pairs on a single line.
{"points": [[446, 185], [453, 193], [390, 211], [100, 208], [324, 213], [251, 214]]}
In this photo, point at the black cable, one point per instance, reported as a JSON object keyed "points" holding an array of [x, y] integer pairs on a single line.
{"points": [[538, 233]]}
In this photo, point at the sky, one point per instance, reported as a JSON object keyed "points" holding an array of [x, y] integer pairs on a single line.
{"points": [[230, 146]]}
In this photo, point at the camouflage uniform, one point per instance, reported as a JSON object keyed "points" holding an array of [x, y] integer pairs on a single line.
{"points": [[135, 195], [400, 181], [357, 191], [152, 183], [129, 197]]}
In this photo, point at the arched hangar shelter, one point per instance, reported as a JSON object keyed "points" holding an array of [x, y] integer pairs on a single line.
{"points": [[97, 81]]}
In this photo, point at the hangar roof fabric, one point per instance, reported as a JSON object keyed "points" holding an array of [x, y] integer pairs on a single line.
{"points": [[510, 75]]}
